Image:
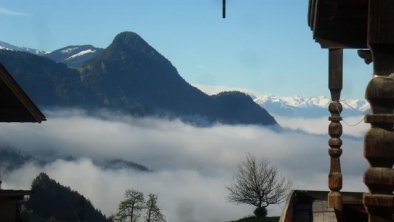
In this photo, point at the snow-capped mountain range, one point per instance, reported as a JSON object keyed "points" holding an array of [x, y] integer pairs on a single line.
{"points": [[308, 106], [7, 46], [72, 56]]}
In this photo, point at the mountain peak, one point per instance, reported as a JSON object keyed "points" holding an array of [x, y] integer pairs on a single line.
{"points": [[128, 40], [42, 178], [129, 47], [127, 34]]}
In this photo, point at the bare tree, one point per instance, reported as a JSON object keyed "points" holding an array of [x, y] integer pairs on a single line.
{"points": [[258, 184], [153, 213], [131, 207]]}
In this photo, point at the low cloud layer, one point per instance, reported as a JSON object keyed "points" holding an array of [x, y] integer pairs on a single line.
{"points": [[191, 165]]}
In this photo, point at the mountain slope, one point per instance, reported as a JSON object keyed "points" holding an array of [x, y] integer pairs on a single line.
{"points": [[47, 83], [132, 72], [242, 108]]}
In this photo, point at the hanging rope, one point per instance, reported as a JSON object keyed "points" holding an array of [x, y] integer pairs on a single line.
{"points": [[350, 124], [353, 125]]}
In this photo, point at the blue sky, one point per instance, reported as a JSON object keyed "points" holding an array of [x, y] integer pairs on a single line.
{"points": [[262, 45]]}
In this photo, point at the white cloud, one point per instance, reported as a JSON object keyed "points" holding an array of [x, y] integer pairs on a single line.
{"points": [[192, 165], [4, 11]]}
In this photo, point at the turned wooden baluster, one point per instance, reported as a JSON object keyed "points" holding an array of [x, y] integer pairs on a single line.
{"points": [[335, 128], [379, 140]]}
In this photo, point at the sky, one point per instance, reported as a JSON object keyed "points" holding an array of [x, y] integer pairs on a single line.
{"points": [[262, 45]]}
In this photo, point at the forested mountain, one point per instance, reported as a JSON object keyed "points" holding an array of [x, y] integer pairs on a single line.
{"points": [[12, 159], [54, 202], [132, 77]]}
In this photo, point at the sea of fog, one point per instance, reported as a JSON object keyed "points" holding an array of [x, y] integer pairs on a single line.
{"points": [[191, 166]]}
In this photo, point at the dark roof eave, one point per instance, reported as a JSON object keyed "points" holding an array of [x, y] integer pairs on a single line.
{"points": [[14, 193], [34, 114]]}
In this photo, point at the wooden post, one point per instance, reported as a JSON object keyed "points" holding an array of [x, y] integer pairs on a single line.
{"points": [[379, 140], [335, 128]]}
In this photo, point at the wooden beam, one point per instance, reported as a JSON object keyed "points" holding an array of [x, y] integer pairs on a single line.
{"points": [[379, 140], [339, 23]]}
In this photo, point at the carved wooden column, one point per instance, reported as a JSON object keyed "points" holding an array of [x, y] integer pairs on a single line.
{"points": [[335, 128], [379, 140]]}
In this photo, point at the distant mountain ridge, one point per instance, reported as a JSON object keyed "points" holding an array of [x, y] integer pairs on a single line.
{"points": [[7, 46], [12, 159], [129, 76], [74, 55]]}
